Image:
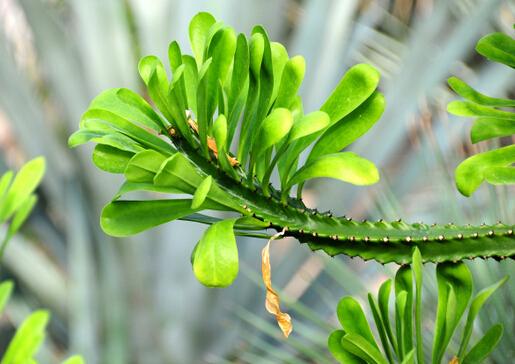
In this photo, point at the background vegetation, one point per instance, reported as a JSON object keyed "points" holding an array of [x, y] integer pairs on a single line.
{"points": [[136, 300]]}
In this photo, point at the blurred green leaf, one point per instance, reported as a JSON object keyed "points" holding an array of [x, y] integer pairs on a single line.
{"points": [[25, 182], [466, 108], [6, 289], [499, 175], [467, 92], [487, 127]]}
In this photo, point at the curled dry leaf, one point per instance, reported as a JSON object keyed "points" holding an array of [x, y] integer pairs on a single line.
{"points": [[272, 299]]}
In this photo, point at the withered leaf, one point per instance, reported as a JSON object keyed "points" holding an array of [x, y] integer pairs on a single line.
{"points": [[272, 299]]}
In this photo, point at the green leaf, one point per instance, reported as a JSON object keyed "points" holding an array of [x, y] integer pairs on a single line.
{"points": [[292, 76], [466, 108], [177, 104], [25, 182], [76, 359], [279, 60], [350, 127], [191, 81], [201, 193], [309, 124], [475, 306], [272, 130], [499, 175], [470, 173], [380, 325], [216, 257], [139, 111], [110, 159], [5, 182], [467, 92], [21, 214], [342, 355], [353, 320], [345, 166], [125, 218], [131, 187], [417, 269], [198, 29], [355, 87], [383, 299], [145, 67], [453, 279], [143, 166], [27, 339], [486, 128], [220, 133], [174, 55], [158, 87], [485, 346], [361, 347], [404, 282], [498, 47], [410, 358], [401, 300], [6, 289]]}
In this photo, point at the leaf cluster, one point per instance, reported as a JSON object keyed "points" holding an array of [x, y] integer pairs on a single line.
{"points": [[492, 166], [355, 343]]}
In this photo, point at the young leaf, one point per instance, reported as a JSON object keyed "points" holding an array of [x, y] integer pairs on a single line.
{"points": [[174, 56], [110, 159], [215, 261], [404, 282], [470, 173], [498, 47], [191, 81], [380, 325], [198, 29], [383, 298], [25, 182], [401, 300], [475, 306], [309, 124], [342, 355], [485, 346], [353, 320], [417, 269], [292, 76], [466, 108], [201, 193]]}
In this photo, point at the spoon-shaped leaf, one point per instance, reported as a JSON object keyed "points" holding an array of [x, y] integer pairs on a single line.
{"points": [[353, 320], [470, 173], [487, 127], [111, 159], [362, 348], [498, 47], [201, 193], [198, 30], [215, 259], [467, 108], [499, 175]]}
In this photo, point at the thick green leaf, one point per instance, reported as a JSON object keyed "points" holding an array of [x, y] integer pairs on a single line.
{"points": [[279, 59], [275, 127], [5, 182], [355, 87], [410, 358], [25, 182], [143, 166], [145, 67], [470, 173], [128, 187], [177, 103], [453, 279], [401, 300], [498, 47], [485, 346], [110, 159], [353, 320], [350, 128], [475, 306], [291, 79], [467, 92], [220, 132], [342, 355], [27, 338], [486, 128], [215, 262], [467, 108], [361, 347], [500, 175], [84, 135], [174, 55], [139, 111], [191, 81], [125, 218], [20, 215], [345, 166], [198, 29], [201, 193], [309, 124], [158, 87], [383, 299], [6, 288], [266, 76], [203, 118]]}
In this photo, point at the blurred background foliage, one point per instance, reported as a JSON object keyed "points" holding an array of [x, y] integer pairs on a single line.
{"points": [[136, 300]]}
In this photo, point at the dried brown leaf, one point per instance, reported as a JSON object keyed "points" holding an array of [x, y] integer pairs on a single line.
{"points": [[454, 361], [272, 299]]}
